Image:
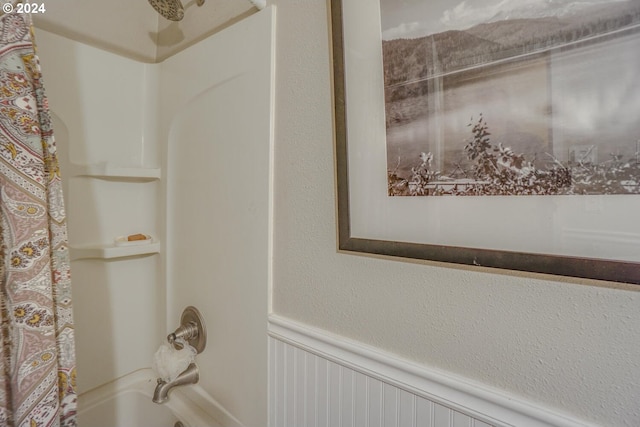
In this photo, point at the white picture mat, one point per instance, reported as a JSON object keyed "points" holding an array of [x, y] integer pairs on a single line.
{"points": [[603, 227]]}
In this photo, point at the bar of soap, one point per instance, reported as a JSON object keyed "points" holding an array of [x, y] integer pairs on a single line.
{"points": [[134, 237]]}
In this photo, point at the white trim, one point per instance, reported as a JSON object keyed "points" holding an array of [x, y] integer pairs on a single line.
{"points": [[477, 400]]}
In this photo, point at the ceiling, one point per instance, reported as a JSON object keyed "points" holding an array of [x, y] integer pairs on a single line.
{"points": [[132, 28]]}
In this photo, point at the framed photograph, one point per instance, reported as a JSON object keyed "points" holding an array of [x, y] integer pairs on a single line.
{"points": [[490, 133]]}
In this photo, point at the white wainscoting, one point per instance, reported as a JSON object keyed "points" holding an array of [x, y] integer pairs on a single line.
{"points": [[318, 379]]}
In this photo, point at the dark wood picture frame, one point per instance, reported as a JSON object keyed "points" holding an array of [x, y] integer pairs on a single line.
{"points": [[571, 266]]}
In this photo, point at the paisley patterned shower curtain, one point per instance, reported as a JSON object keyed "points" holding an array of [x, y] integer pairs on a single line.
{"points": [[37, 360]]}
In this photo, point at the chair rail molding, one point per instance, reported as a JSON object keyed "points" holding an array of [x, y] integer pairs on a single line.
{"points": [[484, 405]]}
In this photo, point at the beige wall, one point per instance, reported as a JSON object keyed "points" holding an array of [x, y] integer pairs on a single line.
{"points": [[570, 345]]}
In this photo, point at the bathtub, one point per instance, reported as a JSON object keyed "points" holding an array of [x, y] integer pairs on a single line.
{"points": [[126, 402]]}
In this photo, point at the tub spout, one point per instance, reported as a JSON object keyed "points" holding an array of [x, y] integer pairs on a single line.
{"points": [[188, 376]]}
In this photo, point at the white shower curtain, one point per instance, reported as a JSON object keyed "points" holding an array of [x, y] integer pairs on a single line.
{"points": [[37, 363]]}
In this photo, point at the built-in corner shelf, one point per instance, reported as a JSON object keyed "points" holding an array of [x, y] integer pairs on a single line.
{"points": [[109, 171], [112, 251]]}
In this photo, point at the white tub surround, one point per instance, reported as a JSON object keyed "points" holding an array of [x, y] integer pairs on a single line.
{"points": [[127, 402], [105, 119], [181, 151], [217, 120], [260, 4]]}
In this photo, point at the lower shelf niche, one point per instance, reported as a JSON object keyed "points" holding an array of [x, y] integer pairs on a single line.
{"points": [[112, 251]]}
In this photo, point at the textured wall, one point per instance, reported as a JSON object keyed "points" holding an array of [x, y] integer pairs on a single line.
{"points": [[570, 345]]}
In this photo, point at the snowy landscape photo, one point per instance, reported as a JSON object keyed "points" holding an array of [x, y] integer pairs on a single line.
{"points": [[512, 97]]}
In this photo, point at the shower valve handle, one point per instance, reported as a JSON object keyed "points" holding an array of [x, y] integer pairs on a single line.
{"points": [[192, 329], [187, 332]]}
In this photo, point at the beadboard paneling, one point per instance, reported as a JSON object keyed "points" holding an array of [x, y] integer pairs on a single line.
{"points": [[307, 390], [318, 379]]}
